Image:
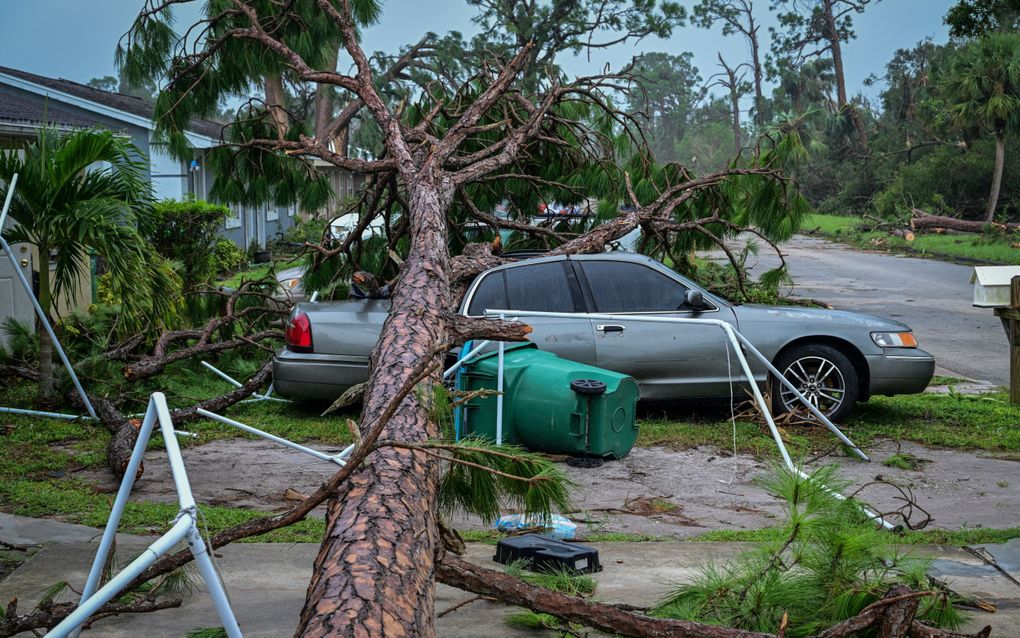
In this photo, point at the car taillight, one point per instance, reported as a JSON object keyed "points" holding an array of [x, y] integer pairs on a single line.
{"points": [[299, 333]]}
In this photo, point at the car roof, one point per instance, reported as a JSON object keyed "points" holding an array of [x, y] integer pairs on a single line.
{"points": [[609, 256]]}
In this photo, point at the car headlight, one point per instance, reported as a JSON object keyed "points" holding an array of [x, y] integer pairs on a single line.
{"points": [[290, 284], [894, 339]]}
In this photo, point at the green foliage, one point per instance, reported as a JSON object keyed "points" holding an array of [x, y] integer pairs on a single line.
{"points": [[981, 84], [86, 193], [501, 478], [827, 565], [22, 343], [227, 257], [974, 18], [186, 233], [670, 88]]}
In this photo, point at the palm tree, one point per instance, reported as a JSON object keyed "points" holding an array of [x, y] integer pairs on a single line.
{"points": [[981, 87], [77, 194]]}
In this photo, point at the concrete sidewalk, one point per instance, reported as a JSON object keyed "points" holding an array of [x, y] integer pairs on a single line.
{"points": [[267, 581]]}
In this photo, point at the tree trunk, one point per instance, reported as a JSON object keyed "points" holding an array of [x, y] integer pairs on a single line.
{"points": [[374, 572], [1000, 160], [324, 98], [735, 105], [276, 104], [759, 98], [45, 391], [832, 34], [923, 220]]}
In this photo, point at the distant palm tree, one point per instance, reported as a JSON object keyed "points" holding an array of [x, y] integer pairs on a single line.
{"points": [[81, 193], [981, 88]]}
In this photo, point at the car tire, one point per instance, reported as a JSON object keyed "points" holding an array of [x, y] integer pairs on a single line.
{"points": [[823, 374]]}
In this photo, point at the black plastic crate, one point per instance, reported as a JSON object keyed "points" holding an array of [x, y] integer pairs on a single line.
{"points": [[542, 553]]}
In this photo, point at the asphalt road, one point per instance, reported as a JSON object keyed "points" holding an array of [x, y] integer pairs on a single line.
{"points": [[932, 297]]}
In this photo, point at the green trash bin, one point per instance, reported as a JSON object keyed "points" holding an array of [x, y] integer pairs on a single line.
{"points": [[552, 404]]}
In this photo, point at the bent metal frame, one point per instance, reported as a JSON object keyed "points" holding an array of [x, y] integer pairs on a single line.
{"points": [[733, 340], [184, 528]]}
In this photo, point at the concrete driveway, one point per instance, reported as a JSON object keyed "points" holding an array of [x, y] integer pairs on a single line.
{"points": [[932, 297]]}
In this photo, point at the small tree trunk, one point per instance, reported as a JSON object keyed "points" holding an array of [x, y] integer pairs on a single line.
{"points": [[45, 391], [374, 573], [1000, 161], [276, 103], [324, 97]]}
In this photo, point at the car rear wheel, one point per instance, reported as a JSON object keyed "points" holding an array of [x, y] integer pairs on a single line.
{"points": [[823, 374]]}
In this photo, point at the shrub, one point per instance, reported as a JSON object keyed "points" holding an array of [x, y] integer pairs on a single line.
{"points": [[227, 257], [186, 232]]}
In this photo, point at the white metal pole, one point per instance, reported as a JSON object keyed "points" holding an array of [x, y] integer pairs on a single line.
{"points": [[212, 580], [110, 590], [465, 359], [499, 391], [110, 531], [31, 295], [338, 459], [49, 415]]}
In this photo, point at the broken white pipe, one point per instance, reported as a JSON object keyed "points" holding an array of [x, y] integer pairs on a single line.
{"points": [[336, 458], [731, 334], [237, 384], [314, 297], [499, 390], [35, 302], [49, 415], [465, 359]]}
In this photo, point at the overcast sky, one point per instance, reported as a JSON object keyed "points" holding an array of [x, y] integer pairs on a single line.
{"points": [[75, 39]]}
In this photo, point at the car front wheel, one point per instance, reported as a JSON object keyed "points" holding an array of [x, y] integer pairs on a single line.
{"points": [[825, 377]]}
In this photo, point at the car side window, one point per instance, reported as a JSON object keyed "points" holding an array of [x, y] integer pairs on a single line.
{"points": [[539, 287], [618, 286], [491, 293]]}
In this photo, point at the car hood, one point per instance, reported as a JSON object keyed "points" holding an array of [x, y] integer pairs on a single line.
{"points": [[753, 313]]}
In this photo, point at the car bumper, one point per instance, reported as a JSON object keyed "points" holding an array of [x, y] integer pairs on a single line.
{"points": [[321, 377], [900, 371]]}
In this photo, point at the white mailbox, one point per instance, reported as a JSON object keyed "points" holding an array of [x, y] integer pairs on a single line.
{"points": [[991, 285]]}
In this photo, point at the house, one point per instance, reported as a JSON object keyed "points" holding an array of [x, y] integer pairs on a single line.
{"points": [[29, 101]]}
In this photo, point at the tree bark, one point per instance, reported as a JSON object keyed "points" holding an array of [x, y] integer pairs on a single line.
{"points": [[1000, 161], [373, 575], [276, 104], [612, 620], [923, 220], [832, 34], [45, 296], [324, 99]]}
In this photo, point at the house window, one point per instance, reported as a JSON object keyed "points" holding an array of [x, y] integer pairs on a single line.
{"points": [[350, 184], [272, 214], [233, 219]]}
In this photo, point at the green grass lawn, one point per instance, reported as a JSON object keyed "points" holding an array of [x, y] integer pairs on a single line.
{"points": [[972, 247], [39, 457]]}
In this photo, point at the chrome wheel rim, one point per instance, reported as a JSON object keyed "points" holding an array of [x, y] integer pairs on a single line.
{"points": [[819, 380]]}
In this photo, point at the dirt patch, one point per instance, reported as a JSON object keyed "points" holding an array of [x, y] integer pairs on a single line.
{"points": [[654, 491]]}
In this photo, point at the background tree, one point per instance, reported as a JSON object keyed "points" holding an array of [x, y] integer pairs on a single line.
{"points": [[973, 18], [669, 91], [569, 26], [732, 79], [981, 88], [737, 16], [69, 208], [815, 28]]}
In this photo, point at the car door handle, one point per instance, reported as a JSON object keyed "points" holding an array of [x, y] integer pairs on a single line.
{"points": [[610, 327]]}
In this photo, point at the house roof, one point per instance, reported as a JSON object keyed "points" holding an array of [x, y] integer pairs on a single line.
{"points": [[17, 110], [118, 102], [994, 275]]}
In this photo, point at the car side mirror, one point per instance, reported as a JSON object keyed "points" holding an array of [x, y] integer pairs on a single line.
{"points": [[694, 300]]}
